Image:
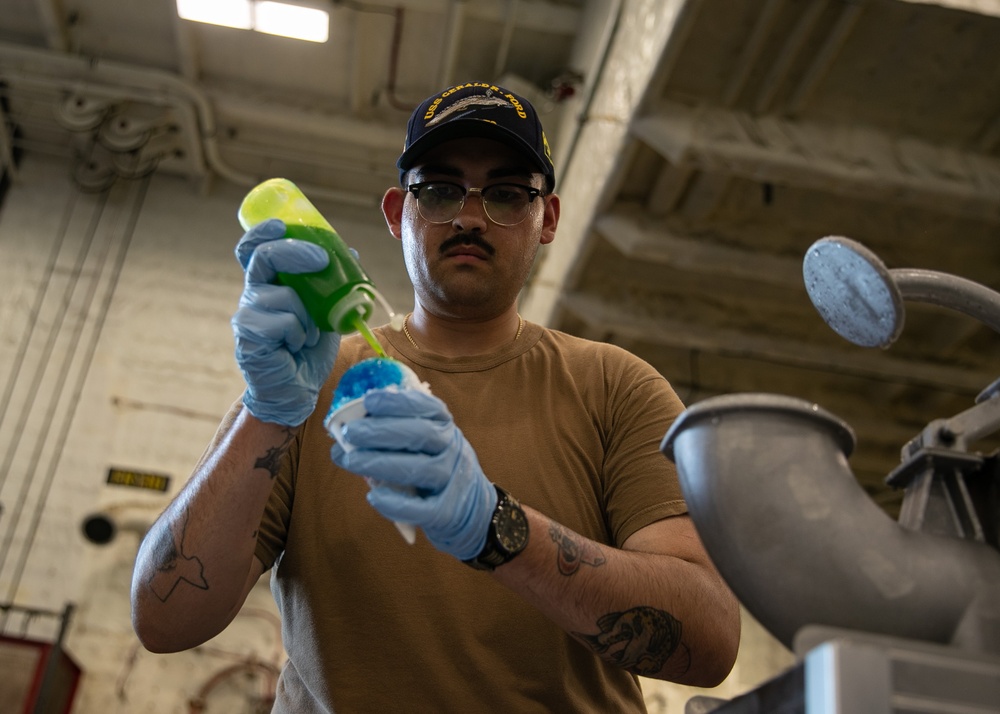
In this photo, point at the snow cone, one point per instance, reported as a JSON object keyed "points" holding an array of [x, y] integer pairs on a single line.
{"points": [[349, 396]]}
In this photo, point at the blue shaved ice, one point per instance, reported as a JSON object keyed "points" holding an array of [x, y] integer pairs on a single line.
{"points": [[374, 373]]}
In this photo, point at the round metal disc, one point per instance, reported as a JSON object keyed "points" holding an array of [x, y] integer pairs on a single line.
{"points": [[853, 292]]}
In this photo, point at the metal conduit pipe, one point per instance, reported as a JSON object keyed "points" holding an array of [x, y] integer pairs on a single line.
{"points": [[506, 38], [115, 80], [770, 491], [608, 33], [455, 23], [185, 111], [79, 72], [951, 291]]}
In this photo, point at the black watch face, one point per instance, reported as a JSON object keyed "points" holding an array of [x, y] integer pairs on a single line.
{"points": [[512, 528]]}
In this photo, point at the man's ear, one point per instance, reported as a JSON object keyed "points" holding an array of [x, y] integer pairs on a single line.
{"points": [[550, 219], [392, 209]]}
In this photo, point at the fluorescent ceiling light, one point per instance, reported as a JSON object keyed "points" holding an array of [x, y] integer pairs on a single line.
{"points": [[980, 7], [228, 13], [302, 23], [274, 18]]}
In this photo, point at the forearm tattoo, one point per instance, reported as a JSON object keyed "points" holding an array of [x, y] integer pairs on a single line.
{"points": [[174, 566], [271, 460], [640, 640], [572, 552]]}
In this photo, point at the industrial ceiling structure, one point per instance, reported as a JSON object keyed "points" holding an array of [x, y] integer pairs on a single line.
{"points": [[702, 146]]}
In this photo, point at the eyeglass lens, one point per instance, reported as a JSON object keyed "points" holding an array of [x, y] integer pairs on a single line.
{"points": [[505, 204]]}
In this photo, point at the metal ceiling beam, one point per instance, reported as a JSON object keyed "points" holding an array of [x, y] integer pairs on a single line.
{"points": [[620, 320], [795, 43], [308, 125], [751, 51], [367, 69], [648, 34], [50, 12], [545, 16], [837, 36], [659, 245], [7, 163], [841, 159]]}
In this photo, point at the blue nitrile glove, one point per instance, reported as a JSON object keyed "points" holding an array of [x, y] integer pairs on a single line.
{"points": [[284, 357], [409, 441]]}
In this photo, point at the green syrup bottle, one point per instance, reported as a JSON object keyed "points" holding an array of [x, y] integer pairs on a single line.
{"points": [[339, 298]]}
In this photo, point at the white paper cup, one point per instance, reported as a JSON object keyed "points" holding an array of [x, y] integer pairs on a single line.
{"points": [[344, 414], [334, 423]]}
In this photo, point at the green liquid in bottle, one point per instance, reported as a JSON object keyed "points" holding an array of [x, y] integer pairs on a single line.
{"points": [[322, 291], [339, 298]]}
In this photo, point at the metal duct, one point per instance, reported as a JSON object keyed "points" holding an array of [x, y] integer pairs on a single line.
{"points": [[769, 488]]}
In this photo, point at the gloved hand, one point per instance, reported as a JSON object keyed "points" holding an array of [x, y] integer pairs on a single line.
{"points": [[422, 469], [284, 357]]}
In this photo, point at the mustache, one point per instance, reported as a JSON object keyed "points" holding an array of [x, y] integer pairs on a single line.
{"points": [[467, 239]]}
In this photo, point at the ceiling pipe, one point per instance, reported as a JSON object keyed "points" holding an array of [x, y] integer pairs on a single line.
{"points": [[506, 38], [7, 162], [50, 13], [86, 106], [597, 72], [394, 45], [188, 50], [123, 82], [452, 42]]}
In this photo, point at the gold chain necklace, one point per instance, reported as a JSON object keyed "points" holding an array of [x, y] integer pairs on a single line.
{"points": [[406, 329]]}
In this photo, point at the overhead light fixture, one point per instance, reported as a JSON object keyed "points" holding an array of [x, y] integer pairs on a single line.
{"points": [[296, 21], [274, 18], [228, 13]]}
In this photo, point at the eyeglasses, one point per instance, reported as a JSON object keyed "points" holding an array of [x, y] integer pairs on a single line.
{"points": [[506, 204]]}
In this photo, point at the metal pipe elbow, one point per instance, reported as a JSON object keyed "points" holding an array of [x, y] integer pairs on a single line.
{"points": [[798, 540]]}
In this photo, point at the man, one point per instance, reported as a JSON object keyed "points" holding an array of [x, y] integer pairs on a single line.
{"points": [[556, 560]]}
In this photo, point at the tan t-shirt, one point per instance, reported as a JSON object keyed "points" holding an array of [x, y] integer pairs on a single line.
{"points": [[371, 624]]}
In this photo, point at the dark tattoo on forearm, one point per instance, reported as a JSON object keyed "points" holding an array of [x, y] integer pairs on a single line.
{"points": [[573, 552], [640, 640], [271, 460], [174, 566]]}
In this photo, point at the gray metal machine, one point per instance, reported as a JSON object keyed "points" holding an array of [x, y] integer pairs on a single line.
{"points": [[885, 616]]}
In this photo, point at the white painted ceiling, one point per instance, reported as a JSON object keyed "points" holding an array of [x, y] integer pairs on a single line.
{"points": [[702, 146]]}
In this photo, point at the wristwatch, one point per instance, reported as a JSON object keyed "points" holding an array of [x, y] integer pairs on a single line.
{"points": [[507, 534]]}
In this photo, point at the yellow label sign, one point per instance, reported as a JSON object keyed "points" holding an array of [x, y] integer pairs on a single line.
{"points": [[137, 479]]}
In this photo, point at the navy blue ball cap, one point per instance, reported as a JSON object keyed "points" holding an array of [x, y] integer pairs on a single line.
{"points": [[482, 110]]}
